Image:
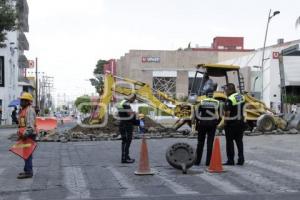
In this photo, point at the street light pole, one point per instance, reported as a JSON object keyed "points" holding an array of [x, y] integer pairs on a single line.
{"points": [[264, 47]]}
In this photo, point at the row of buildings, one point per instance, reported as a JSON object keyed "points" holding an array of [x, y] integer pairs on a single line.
{"points": [[172, 71], [13, 62]]}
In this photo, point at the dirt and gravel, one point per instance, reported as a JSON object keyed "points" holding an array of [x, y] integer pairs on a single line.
{"points": [[112, 127]]}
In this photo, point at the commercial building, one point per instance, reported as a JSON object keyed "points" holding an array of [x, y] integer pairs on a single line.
{"points": [[13, 62], [172, 71], [280, 77]]}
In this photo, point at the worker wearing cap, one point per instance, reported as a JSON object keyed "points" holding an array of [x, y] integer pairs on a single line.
{"points": [[207, 119], [127, 121], [27, 129], [234, 124]]}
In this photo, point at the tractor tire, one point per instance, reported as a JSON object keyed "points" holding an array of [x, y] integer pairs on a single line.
{"points": [[265, 123]]}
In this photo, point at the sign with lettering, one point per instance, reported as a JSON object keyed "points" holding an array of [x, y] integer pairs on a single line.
{"points": [[275, 55], [150, 59]]}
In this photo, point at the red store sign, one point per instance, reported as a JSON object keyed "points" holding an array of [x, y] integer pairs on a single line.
{"points": [[275, 55]]}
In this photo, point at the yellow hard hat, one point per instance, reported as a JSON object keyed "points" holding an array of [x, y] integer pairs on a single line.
{"points": [[141, 116], [26, 96]]}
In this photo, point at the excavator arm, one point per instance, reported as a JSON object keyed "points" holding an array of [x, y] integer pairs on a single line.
{"points": [[118, 85]]}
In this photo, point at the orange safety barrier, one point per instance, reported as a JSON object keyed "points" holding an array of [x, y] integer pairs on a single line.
{"points": [[46, 123], [67, 119]]}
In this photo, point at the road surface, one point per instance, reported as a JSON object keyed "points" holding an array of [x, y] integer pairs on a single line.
{"points": [[92, 170]]}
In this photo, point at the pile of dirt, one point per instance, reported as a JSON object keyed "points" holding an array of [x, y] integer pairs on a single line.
{"points": [[112, 127]]}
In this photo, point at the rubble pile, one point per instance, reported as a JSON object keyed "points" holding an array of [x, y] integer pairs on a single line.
{"points": [[110, 131]]}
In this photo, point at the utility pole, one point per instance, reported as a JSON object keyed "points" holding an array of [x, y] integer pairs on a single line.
{"points": [[263, 51], [36, 85]]}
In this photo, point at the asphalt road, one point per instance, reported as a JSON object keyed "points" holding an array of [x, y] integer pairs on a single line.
{"points": [[92, 170]]}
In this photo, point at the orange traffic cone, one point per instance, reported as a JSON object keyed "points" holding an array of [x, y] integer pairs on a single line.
{"points": [[216, 158], [144, 167]]}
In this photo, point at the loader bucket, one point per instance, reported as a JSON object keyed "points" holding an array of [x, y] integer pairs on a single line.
{"points": [[46, 123]]}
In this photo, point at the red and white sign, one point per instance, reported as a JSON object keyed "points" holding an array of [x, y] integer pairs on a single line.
{"points": [[275, 55], [31, 63], [151, 59]]}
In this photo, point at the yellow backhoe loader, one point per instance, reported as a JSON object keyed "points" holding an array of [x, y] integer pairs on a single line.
{"points": [[256, 112]]}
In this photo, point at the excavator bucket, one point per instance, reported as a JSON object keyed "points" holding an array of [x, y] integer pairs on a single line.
{"points": [[46, 123]]}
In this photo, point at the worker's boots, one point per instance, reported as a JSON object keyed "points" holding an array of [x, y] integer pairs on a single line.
{"points": [[128, 160], [24, 175]]}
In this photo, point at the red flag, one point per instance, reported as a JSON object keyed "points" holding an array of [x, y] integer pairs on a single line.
{"points": [[24, 148]]}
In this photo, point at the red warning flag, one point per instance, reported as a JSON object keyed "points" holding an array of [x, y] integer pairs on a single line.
{"points": [[24, 148]]}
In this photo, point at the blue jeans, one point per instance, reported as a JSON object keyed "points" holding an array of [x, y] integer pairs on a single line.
{"points": [[28, 165]]}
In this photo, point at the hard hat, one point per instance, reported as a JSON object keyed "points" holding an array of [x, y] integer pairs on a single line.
{"points": [[26, 96], [141, 116]]}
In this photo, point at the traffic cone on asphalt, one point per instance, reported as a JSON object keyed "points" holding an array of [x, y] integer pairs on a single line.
{"points": [[215, 165], [144, 166]]}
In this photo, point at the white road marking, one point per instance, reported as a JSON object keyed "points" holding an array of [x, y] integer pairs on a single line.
{"points": [[1, 170], [175, 187], [275, 169], [263, 182], [131, 191], [289, 162], [75, 183], [220, 183], [24, 196], [272, 148]]}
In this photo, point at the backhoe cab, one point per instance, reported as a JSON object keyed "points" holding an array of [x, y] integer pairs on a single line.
{"points": [[219, 76], [257, 114]]}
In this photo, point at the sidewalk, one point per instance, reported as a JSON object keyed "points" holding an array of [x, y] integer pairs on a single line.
{"points": [[5, 132], [8, 126]]}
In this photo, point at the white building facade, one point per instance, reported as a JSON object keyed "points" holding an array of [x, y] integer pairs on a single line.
{"points": [[271, 79], [13, 63]]}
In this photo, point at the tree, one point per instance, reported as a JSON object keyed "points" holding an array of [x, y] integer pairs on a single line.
{"points": [[7, 20], [83, 104], [98, 81]]}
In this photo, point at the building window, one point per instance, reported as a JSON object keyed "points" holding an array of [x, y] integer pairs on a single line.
{"points": [[1, 71], [165, 84]]}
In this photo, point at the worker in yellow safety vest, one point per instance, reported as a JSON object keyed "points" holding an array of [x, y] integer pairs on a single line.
{"points": [[127, 119], [234, 124], [27, 129], [207, 118]]}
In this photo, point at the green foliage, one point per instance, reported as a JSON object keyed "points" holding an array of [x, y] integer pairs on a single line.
{"points": [[83, 104], [46, 111], [147, 110], [183, 98], [98, 81], [292, 99], [7, 20]]}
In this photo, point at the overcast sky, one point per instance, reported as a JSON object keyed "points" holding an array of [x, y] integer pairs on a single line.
{"points": [[69, 36]]}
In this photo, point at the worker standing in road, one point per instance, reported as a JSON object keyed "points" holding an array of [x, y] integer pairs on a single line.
{"points": [[234, 124], [27, 129], [127, 121], [207, 119]]}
